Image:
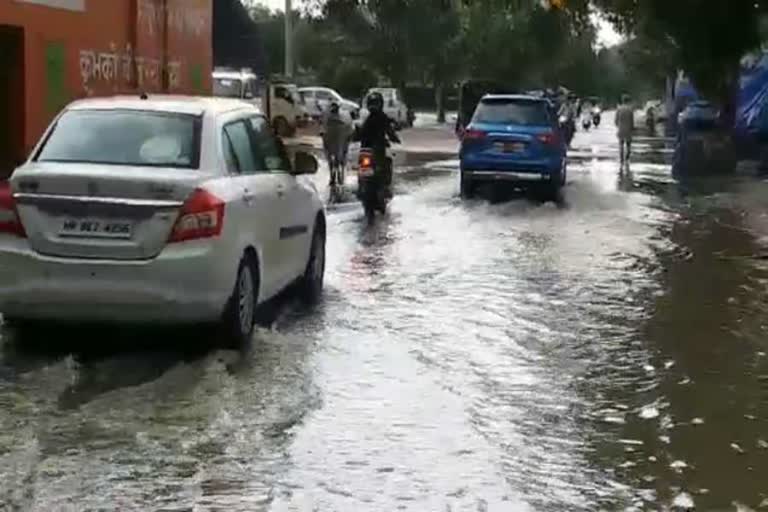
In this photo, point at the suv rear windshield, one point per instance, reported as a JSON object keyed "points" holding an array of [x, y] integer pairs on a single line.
{"points": [[511, 111], [124, 137]]}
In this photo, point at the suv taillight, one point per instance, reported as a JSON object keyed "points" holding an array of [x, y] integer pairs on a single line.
{"points": [[472, 134], [550, 139], [9, 215], [202, 216]]}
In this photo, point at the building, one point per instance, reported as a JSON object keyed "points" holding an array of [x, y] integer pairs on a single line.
{"points": [[55, 51]]}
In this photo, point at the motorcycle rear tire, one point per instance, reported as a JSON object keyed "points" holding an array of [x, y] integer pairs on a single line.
{"points": [[370, 212]]}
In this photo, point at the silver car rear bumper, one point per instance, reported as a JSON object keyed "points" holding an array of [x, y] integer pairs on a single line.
{"points": [[184, 284]]}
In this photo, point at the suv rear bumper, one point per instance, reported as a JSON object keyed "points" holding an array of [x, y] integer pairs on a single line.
{"points": [[514, 176]]}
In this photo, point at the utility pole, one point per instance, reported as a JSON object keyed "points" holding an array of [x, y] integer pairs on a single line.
{"points": [[288, 39]]}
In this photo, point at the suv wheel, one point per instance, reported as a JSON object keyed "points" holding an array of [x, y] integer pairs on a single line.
{"points": [[553, 189], [467, 186]]}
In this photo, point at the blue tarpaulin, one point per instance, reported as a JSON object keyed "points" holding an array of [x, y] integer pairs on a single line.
{"points": [[752, 100], [752, 103]]}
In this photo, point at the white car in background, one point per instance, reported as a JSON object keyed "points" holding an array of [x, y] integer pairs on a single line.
{"points": [[318, 101], [285, 105], [158, 210], [394, 106]]}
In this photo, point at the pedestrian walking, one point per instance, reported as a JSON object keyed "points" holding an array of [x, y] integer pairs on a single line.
{"points": [[336, 135], [625, 125]]}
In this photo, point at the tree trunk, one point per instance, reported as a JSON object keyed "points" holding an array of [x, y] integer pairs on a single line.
{"points": [[439, 103], [728, 101]]}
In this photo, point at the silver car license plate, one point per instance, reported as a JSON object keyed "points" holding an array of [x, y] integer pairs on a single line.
{"points": [[96, 228]]}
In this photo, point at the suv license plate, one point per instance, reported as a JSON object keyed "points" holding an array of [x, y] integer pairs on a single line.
{"points": [[510, 147], [96, 228]]}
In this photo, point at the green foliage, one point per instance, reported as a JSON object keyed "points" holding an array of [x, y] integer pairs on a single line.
{"points": [[272, 30], [352, 44], [706, 38]]}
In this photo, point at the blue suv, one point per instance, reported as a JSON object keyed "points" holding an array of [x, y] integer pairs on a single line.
{"points": [[514, 139]]}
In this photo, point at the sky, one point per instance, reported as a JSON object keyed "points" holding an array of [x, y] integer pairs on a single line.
{"points": [[606, 35]]}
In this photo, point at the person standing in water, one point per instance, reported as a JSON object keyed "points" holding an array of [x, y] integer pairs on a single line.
{"points": [[625, 125]]}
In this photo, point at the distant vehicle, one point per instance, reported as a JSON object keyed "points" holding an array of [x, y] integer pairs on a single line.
{"points": [[165, 210], [394, 106], [372, 192], [319, 99], [596, 111], [513, 139], [661, 112], [699, 113], [702, 145], [658, 108], [287, 110]]}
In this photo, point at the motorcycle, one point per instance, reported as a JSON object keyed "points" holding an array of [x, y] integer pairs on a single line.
{"points": [[596, 117], [372, 190]]}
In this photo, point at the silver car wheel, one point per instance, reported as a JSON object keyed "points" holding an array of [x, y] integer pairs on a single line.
{"points": [[246, 299], [318, 260]]}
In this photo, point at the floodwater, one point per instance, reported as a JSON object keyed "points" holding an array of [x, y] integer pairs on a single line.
{"points": [[499, 354]]}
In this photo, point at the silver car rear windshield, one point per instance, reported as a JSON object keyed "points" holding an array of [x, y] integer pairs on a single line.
{"points": [[511, 111], [124, 137]]}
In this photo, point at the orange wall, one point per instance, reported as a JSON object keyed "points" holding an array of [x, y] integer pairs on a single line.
{"points": [[114, 46]]}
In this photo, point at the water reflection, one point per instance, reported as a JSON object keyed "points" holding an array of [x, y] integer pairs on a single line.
{"points": [[467, 355]]}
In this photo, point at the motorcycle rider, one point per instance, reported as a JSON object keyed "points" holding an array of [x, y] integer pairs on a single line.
{"points": [[375, 133], [596, 114], [336, 134], [586, 114]]}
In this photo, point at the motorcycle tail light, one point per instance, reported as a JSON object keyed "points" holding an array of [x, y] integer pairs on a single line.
{"points": [[365, 161]]}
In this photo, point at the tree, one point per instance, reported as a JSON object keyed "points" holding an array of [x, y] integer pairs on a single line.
{"points": [[522, 43], [435, 41], [707, 38], [271, 26], [403, 39], [377, 31]]}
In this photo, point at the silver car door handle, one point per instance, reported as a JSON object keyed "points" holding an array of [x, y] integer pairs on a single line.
{"points": [[280, 191], [247, 196]]}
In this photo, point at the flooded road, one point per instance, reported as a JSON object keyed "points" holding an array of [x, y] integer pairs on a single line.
{"points": [[608, 353]]}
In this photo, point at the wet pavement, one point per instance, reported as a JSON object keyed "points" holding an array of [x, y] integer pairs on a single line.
{"points": [[499, 354]]}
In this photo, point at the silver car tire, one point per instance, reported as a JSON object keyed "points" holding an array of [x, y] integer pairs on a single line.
{"points": [[239, 316], [311, 282]]}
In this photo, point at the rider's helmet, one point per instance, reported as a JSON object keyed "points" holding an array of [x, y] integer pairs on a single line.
{"points": [[334, 108], [375, 102]]}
